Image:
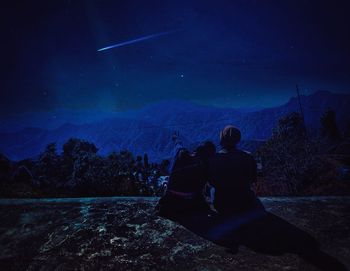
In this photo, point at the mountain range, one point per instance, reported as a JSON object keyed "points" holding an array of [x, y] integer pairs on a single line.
{"points": [[149, 129]]}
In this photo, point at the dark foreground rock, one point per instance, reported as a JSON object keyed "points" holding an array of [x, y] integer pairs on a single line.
{"points": [[125, 234]]}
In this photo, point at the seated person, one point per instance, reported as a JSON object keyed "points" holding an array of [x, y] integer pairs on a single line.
{"points": [[232, 172], [188, 176]]}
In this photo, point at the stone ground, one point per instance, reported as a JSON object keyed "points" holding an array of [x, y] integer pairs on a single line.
{"points": [[125, 234]]}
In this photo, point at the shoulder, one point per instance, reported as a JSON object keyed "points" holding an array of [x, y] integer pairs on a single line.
{"points": [[182, 153], [218, 156], [246, 154]]}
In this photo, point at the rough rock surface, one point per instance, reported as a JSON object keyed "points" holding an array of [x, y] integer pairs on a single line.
{"points": [[125, 234]]}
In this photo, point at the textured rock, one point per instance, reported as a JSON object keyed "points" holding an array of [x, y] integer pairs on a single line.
{"points": [[125, 234]]}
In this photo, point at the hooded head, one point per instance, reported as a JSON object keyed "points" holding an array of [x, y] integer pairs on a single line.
{"points": [[230, 137], [205, 150]]}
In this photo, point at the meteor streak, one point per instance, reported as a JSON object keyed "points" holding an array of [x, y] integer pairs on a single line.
{"points": [[137, 40]]}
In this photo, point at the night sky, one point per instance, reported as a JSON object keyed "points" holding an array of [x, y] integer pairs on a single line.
{"points": [[228, 53]]}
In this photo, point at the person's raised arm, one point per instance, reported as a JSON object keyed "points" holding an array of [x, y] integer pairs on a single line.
{"points": [[178, 148], [178, 145]]}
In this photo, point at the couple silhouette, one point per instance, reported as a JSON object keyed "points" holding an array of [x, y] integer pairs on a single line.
{"points": [[237, 217]]}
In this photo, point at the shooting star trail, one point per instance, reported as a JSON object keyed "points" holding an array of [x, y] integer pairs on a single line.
{"points": [[137, 40]]}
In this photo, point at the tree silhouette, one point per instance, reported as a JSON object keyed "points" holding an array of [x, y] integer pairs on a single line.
{"points": [[329, 129], [47, 168], [145, 161], [291, 162]]}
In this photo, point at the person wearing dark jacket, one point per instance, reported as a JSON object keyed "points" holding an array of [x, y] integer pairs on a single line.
{"points": [[183, 198], [232, 173], [241, 217]]}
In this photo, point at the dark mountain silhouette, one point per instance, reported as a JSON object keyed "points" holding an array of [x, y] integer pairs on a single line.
{"points": [[149, 129]]}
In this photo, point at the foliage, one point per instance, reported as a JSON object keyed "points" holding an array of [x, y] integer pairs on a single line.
{"points": [[81, 171], [145, 160], [329, 129], [347, 130], [74, 146], [5, 168], [48, 166], [292, 163]]}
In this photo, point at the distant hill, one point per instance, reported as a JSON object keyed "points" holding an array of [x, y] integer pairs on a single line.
{"points": [[149, 129]]}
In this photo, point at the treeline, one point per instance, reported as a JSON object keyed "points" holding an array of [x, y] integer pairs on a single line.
{"points": [[295, 162], [291, 162], [80, 171]]}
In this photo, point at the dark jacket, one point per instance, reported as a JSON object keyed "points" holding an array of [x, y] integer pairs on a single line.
{"points": [[232, 173], [184, 194], [188, 174]]}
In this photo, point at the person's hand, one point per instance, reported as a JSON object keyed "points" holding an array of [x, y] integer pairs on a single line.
{"points": [[175, 135]]}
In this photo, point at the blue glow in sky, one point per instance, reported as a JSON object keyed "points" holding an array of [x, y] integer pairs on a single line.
{"points": [[228, 53]]}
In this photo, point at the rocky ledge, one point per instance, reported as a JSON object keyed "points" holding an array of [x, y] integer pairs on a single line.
{"points": [[125, 234]]}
